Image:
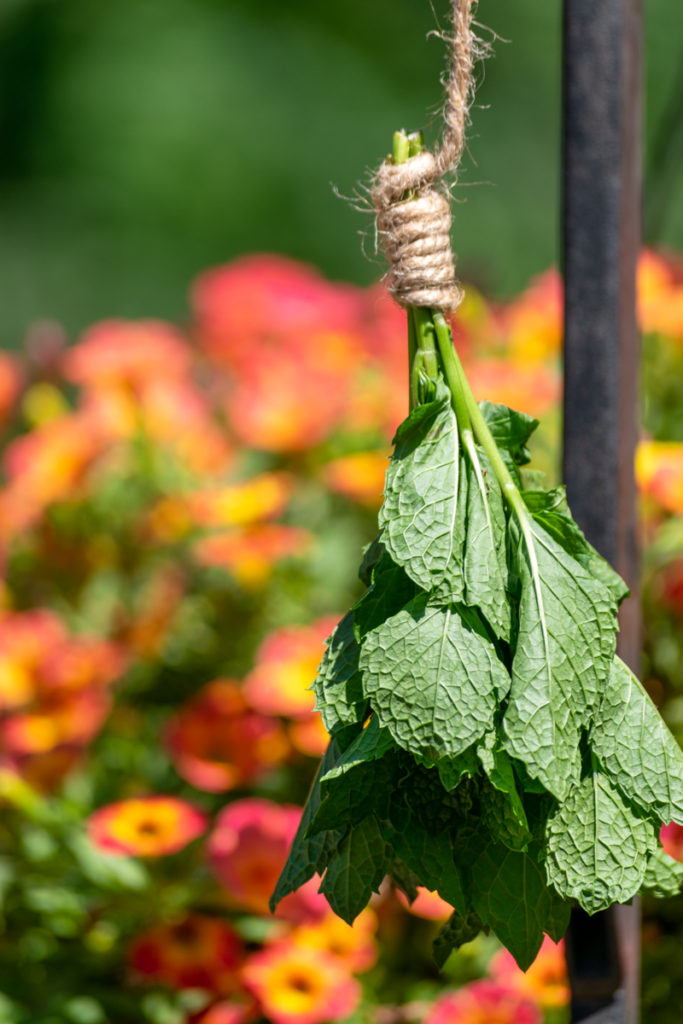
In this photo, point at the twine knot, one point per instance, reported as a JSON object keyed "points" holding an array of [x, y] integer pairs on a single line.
{"points": [[413, 211], [415, 234]]}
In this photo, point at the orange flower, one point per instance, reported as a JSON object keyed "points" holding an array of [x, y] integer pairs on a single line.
{"points": [[483, 1002], [354, 945], [196, 952], [47, 465], [25, 640], [533, 389], [217, 742], [428, 905], [545, 982], [286, 404], [286, 665], [147, 826], [659, 473], [660, 294], [671, 838], [128, 352], [241, 504], [298, 985], [533, 321], [71, 719], [250, 553], [359, 476], [309, 735]]}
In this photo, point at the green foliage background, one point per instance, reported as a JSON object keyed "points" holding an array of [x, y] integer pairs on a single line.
{"points": [[145, 139]]}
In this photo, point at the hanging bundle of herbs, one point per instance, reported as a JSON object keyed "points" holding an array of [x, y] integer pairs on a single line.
{"points": [[486, 740]]}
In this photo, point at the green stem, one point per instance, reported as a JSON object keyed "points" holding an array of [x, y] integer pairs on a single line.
{"points": [[464, 400]]}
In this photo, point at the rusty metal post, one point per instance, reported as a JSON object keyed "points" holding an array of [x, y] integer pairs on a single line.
{"points": [[601, 238]]}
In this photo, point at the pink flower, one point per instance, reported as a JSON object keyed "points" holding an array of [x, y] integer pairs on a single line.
{"points": [[483, 1002], [249, 846]]}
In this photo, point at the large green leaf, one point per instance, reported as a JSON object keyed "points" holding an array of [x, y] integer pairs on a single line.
{"points": [[635, 748], [663, 875], [432, 678], [356, 869], [597, 848], [485, 565], [511, 895], [564, 648], [423, 515], [550, 509], [308, 855]]}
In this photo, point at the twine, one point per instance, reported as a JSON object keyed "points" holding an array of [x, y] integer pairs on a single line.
{"points": [[415, 230]]}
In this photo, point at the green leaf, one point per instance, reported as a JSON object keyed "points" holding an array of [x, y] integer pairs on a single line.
{"points": [[501, 803], [663, 875], [510, 894], [349, 796], [485, 564], [307, 855], [356, 869], [372, 553], [596, 846], [337, 686], [404, 879], [453, 769], [391, 589], [550, 509], [371, 743], [635, 748], [432, 679], [426, 850], [458, 930], [565, 644], [423, 515], [511, 430]]}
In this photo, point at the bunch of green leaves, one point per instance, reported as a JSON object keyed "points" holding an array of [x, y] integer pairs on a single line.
{"points": [[486, 741]]}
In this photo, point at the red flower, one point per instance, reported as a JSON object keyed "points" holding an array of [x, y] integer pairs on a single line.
{"points": [[147, 826], [196, 952], [217, 742]]}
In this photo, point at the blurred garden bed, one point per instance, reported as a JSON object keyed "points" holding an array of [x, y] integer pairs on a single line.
{"points": [[181, 518]]}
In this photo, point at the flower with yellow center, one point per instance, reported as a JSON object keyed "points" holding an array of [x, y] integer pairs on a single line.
{"points": [[149, 826], [299, 985]]}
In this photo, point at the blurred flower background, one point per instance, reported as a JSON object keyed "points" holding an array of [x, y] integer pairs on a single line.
{"points": [[192, 460], [181, 518]]}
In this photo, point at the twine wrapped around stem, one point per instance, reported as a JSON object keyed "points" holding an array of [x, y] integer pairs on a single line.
{"points": [[413, 212]]}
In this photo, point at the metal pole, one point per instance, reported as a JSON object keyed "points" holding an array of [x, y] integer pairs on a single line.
{"points": [[601, 238]]}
